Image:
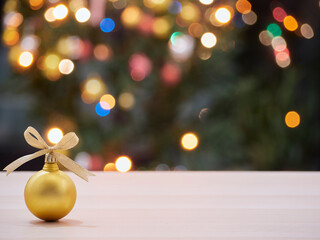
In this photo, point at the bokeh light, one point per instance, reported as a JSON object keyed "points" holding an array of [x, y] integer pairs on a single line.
{"points": [[243, 6], [93, 86], [206, 2], [292, 119], [54, 135], [195, 29], [290, 23], [181, 46], [107, 25], [279, 44], [131, 16], [189, 13], [102, 52], [126, 100], [223, 15], [265, 38], [51, 61], [35, 4], [174, 7], [109, 167], [10, 37], [101, 111], [279, 14], [140, 66], [49, 16], [13, 19], [60, 12], [189, 141], [82, 15], [274, 30], [250, 18], [123, 164], [283, 59], [25, 59], [66, 66], [107, 101], [161, 27], [208, 40], [30, 43], [170, 74], [306, 31]]}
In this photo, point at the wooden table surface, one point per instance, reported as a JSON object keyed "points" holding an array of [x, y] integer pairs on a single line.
{"points": [[174, 205]]}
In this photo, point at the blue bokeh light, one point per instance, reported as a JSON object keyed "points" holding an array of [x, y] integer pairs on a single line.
{"points": [[174, 7], [100, 111], [107, 25]]}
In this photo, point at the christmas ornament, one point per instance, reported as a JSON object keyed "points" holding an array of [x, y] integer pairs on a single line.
{"points": [[50, 194]]}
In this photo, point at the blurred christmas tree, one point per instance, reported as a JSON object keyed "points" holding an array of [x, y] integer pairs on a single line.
{"points": [[171, 84]]}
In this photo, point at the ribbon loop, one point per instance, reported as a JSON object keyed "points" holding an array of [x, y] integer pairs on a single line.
{"points": [[68, 141]]}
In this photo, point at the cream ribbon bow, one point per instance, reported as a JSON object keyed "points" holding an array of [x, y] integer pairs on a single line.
{"points": [[68, 141]]}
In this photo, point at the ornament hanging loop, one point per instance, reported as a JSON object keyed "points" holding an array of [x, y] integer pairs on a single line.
{"points": [[50, 158]]}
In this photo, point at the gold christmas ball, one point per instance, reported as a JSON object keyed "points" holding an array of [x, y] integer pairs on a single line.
{"points": [[50, 194]]}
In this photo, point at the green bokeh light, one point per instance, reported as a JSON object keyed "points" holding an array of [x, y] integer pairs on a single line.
{"points": [[274, 30]]}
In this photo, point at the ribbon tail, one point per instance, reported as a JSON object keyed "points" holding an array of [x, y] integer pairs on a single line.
{"points": [[73, 166], [17, 163]]}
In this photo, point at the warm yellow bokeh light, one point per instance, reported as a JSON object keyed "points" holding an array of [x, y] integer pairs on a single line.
{"points": [[290, 23], [189, 141], [60, 12], [93, 86], [223, 15], [48, 15], [109, 167], [10, 37], [55, 135], [66, 66], [292, 119], [243, 6], [82, 15], [107, 101], [123, 164], [131, 16], [161, 27], [206, 2], [126, 101], [51, 61], [25, 59], [36, 4], [208, 40]]}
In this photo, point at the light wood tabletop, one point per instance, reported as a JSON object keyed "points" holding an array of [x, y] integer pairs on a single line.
{"points": [[173, 205]]}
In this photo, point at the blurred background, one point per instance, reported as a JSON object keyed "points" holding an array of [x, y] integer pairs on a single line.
{"points": [[163, 84]]}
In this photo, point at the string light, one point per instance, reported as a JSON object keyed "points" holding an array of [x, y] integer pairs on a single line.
{"points": [[189, 141], [250, 18], [243, 6], [54, 135], [123, 164]]}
